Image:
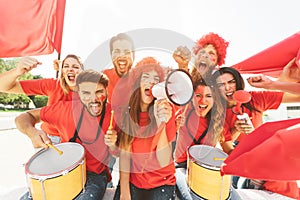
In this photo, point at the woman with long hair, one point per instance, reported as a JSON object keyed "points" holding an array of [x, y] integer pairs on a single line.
{"points": [[229, 80], [147, 130], [203, 124], [63, 88]]}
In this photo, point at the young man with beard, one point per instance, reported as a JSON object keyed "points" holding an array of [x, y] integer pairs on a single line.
{"points": [[122, 55], [85, 121]]}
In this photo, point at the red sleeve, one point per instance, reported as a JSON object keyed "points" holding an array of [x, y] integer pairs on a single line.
{"points": [[266, 100], [60, 116], [38, 86], [46, 87]]}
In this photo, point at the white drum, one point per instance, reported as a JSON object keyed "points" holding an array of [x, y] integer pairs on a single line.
{"points": [[54, 176]]}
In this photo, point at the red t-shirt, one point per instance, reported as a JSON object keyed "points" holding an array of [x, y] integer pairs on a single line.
{"points": [[51, 88], [261, 100], [145, 170], [64, 116], [113, 80], [194, 127]]}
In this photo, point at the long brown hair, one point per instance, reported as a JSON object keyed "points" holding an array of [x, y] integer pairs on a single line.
{"points": [[240, 84], [130, 124], [215, 116]]}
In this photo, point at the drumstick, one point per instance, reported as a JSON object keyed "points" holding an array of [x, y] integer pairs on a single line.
{"points": [[111, 120], [56, 149], [219, 158]]}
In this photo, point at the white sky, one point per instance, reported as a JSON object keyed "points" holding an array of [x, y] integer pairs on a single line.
{"points": [[249, 25]]}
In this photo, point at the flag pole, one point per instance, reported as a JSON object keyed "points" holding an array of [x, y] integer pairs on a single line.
{"points": [[57, 71]]}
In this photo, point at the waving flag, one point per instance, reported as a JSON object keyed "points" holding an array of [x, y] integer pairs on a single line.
{"points": [[271, 60], [271, 152], [31, 27]]}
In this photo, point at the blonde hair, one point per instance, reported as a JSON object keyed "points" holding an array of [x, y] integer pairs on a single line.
{"points": [[65, 87]]}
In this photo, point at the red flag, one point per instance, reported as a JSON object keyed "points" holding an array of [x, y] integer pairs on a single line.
{"points": [[31, 27], [271, 60], [271, 152]]}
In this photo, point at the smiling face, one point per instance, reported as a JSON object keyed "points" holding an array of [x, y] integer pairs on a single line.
{"points": [[148, 80], [227, 86], [202, 100], [70, 69], [93, 96], [122, 56], [203, 62]]}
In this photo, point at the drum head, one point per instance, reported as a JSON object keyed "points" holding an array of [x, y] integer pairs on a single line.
{"points": [[207, 155], [46, 162]]}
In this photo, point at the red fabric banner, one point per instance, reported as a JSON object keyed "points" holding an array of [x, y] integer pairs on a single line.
{"points": [[31, 27], [271, 152], [271, 60]]}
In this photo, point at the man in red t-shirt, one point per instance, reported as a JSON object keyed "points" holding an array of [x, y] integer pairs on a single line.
{"points": [[86, 122], [122, 54]]}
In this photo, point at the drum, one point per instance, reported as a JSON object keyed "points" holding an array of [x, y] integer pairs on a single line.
{"points": [[54, 176], [204, 178]]}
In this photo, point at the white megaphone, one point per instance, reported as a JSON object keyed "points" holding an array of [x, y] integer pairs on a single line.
{"points": [[178, 88]]}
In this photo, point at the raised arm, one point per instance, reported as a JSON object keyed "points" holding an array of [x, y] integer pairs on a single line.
{"points": [[290, 72], [26, 122], [9, 79], [182, 55], [266, 83]]}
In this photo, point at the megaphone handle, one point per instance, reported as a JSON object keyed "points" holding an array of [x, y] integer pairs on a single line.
{"points": [[163, 119], [245, 117], [185, 109]]}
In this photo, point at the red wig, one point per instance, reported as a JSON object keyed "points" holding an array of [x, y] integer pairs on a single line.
{"points": [[145, 65], [218, 42]]}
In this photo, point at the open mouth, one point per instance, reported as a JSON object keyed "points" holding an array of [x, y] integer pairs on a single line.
{"points": [[229, 95], [148, 92], [202, 107], [202, 66], [122, 65], [95, 108], [71, 76]]}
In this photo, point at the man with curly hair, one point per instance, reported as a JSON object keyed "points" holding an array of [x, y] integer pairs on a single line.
{"points": [[209, 47]]}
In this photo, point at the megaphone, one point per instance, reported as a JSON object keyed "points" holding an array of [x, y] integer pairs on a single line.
{"points": [[178, 88], [241, 97]]}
